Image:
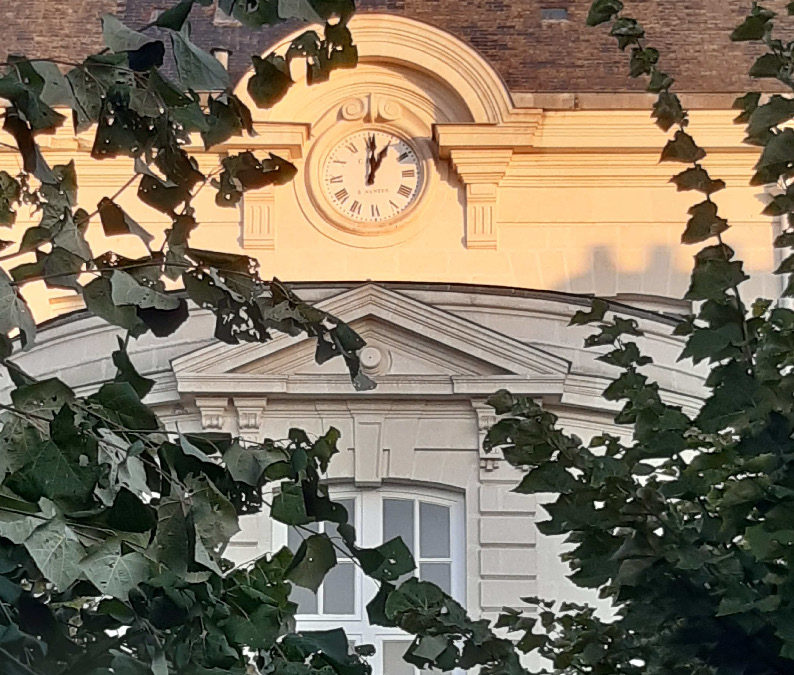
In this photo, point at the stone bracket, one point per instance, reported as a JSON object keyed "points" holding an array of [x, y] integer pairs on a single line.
{"points": [[480, 154], [481, 171], [486, 418], [250, 412], [212, 411]]}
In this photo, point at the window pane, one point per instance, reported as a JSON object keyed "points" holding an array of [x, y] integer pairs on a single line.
{"points": [[433, 530], [306, 600], [339, 592], [398, 521], [436, 573], [295, 536], [393, 663]]}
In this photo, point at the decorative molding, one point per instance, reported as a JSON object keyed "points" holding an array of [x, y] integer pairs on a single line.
{"points": [[259, 220], [250, 412], [212, 411], [371, 108]]}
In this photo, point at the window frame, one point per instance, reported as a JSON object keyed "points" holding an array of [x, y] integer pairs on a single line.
{"points": [[368, 517]]}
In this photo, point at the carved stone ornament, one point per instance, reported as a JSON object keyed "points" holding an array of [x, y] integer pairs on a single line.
{"points": [[249, 415], [371, 108], [212, 412], [486, 418]]}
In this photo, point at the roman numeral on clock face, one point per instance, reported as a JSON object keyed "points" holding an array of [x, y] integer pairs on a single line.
{"points": [[409, 173], [404, 191], [335, 179], [355, 207], [374, 211], [342, 195]]}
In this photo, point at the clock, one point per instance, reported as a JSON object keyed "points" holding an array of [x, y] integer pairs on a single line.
{"points": [[372, 176]]}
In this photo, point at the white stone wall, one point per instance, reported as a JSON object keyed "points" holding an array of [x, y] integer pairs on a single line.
{"points": [[442, 351]]}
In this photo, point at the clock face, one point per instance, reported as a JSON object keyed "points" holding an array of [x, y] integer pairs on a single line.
{"points": [[372, 176]]}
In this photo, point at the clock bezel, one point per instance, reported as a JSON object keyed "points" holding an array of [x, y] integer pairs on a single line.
{"points": [[318, 159]]}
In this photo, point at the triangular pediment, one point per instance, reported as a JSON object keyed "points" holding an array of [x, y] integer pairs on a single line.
{"points": [[410, 346]]}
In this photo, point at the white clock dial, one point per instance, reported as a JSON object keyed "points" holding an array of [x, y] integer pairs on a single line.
{"points": [[372, 176]]}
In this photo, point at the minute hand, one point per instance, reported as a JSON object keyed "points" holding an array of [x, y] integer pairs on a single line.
{"points": [[375, 163]]}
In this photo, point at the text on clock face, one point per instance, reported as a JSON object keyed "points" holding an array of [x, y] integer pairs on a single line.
{"points": [[372, 176]]}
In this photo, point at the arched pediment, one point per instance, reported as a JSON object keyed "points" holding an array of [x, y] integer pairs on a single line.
{"points": [[412, 56]]}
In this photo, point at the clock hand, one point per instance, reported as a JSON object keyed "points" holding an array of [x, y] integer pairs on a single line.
{"points": [[375, 163], [371, 161]]}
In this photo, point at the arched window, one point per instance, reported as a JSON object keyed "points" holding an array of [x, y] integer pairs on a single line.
{"points": [[430, 522]]}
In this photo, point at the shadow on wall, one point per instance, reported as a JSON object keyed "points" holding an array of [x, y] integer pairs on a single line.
{"points": [[660, 284]]}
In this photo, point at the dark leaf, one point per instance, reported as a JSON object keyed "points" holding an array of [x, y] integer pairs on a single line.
{"points": [[116, 221]]}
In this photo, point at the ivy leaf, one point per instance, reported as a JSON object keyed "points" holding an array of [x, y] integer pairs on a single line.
{"points": [[17, 526], [270, 80], [97, 295], [313, 559], [752, 28], [128, 373], [10, 192], [682, 148], [197, 69], [767, 65], [697, 178], [298, 9], [125, 290], [776, 111], [597, 311], [387, 562], [120, 401], [14, 312], [120, 38], [667, 110], [55, 472], [245, 172], [164, 197], [778, 153], [289, 506], [228, 116], [214, 517], [112, 573], [57, 552], [704, 223], [602, 11], [171, 544], [174, 17], [747, 104], [116, 221]]}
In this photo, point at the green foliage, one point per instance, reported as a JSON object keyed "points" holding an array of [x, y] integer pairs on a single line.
{"points": [[112, 529], [683, 521]]}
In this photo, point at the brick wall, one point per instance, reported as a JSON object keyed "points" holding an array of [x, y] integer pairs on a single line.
{"points": [[529, 53], [62, 29]]}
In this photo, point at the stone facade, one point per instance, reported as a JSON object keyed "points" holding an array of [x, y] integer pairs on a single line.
{"points": [[528, 206]]}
